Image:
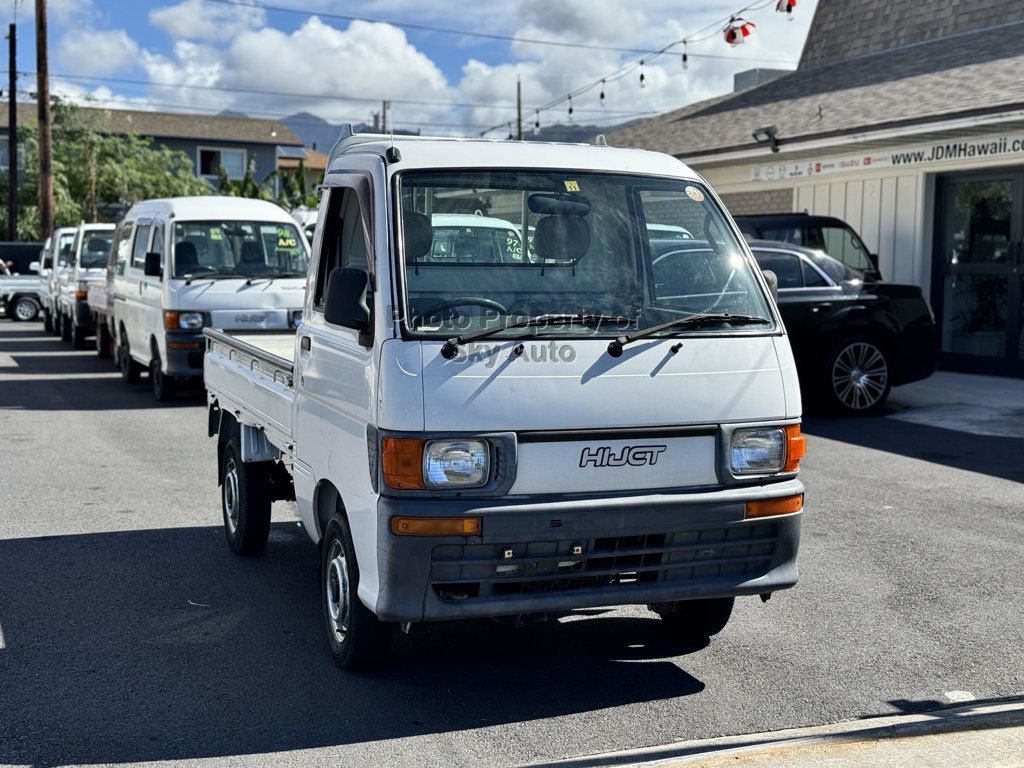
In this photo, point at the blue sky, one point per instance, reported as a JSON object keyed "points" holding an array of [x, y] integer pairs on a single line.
{"points": [[206, 56]]}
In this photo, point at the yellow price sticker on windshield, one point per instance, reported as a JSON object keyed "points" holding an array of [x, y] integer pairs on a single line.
{"points": [[286, 242], [572, 186], [215, 234]]}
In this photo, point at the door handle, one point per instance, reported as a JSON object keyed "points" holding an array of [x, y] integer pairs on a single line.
{"points": [[305, 343]]}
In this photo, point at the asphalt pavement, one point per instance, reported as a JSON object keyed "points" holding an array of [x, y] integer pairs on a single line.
{"points": [[130, 633]]}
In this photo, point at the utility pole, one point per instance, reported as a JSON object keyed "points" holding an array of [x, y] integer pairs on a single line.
{"points": [[45, 137], [12, 138], [519, 109], [384, 117]]}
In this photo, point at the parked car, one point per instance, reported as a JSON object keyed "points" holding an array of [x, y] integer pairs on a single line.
{"points": [[87, 263], [55, 250], [183, 264], [61, 243], [821, 233], [19, 295], [467, 237], [516, 436], [853, 339]]}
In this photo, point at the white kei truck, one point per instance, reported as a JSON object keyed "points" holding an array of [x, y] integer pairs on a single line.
{"points": [[605, 422]]}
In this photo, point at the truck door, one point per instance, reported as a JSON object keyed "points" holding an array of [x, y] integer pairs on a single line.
{"points": [[335, 375]]}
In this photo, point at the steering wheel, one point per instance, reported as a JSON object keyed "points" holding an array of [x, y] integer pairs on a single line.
{"points": [[465, 301]]}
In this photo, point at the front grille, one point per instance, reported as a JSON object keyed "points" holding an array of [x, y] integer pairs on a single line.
{"points": [[468, 571]]}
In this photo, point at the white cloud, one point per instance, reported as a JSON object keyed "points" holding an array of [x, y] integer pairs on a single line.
{"points": [[60, 11], [91, 52], [197, 20]]}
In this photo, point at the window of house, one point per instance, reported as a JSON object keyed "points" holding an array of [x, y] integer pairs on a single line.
{"points": [[231, 160]]}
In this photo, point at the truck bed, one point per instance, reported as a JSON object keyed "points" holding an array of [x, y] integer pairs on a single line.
{"points": [[250, 376]]}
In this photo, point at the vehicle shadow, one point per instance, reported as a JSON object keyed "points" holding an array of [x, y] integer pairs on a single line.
{"points": [[989, 455], [161, 644]]}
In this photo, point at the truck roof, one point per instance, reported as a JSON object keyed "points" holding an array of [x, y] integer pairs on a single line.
{"points": [[420, 152], [204, 207]]}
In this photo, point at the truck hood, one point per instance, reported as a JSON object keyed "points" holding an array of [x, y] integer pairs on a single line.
{"points": [[234, 305], [560, 384]]}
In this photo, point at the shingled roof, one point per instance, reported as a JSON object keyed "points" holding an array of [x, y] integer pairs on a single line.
{"points": [[176, 125], [968, 73]]}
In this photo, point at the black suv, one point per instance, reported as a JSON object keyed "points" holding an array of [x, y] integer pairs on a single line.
{"points": [[819, 233]]}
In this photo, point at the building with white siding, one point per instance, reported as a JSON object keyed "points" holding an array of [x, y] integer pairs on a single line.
{"points": [[905, 119]]}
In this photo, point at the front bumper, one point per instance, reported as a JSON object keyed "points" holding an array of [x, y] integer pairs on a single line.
{"points": [[183, 353], [630, 550]]}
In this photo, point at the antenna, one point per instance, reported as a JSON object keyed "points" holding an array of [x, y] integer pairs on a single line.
{"points": [[393, 155]]}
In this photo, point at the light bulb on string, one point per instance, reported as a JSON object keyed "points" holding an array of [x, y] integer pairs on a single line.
{"points": [[570, 109], [536, 123], [602, 93], [685, 64], [643, 83], [786, 6]]}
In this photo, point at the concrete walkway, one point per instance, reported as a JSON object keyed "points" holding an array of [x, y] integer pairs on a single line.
{"points": [[981, 405], [975, 735]]}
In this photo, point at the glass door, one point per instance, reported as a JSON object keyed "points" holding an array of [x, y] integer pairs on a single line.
{"points": [[978, 286]]}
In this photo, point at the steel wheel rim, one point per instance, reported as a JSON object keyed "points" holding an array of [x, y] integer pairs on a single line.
{"points": [[231, 494], [24, 310], [336, 589], [860, 375]]}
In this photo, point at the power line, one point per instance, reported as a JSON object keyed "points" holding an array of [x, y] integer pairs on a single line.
{"points": [[446, 30]]}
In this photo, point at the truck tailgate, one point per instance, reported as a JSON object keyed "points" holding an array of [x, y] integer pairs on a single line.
{"points": [[248, 377]]}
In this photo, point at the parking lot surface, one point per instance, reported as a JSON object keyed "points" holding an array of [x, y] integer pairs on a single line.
{"points": [[130, 633]]}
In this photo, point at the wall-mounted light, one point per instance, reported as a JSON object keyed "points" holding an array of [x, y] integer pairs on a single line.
{"points": [[767, 135]]}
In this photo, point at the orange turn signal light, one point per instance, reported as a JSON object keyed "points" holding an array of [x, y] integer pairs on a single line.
{"points": [[436, 526], [184, 345], [771, 507], [402, 463], [81, 294], [170, 320], [796, 448]]}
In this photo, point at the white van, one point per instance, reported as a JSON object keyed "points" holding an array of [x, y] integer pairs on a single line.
{"points": [[494, 437], [87, 263], [54, 263], [183, 264]]}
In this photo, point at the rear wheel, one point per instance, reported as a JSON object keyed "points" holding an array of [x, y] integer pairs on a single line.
{"points": [[694, 621], [857, 376], [104, 343], [357, 638], [164, 387], [47, 321], [65, 327], [245, 501], [23, 309], [130, 370]]}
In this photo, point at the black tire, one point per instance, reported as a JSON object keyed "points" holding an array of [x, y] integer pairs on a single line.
{"points": [[857, 377], [23, 309], [130, 370], [104, 343], [695, 621], [79, 336], [245, 501], [65, 328], [47, 321], [164, 386], [55, 321], [356, 637]]}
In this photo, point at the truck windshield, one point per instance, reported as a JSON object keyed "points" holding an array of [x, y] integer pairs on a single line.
{"points": [[96, 248], [644, 248], [217, 249]]}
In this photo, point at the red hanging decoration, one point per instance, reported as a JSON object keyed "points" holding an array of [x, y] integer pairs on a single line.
{"points": [[738, 30], [786, 7]]}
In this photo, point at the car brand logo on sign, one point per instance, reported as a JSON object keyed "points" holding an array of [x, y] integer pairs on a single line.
{"points": [[632, 455]]}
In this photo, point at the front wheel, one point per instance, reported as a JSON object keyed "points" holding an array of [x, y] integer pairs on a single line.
{"points": [[357, 638], [245, 501], [857, 378], [65, 327], [104, 343], [47, 322], [130, 370], [695, 621], [163, 385]]}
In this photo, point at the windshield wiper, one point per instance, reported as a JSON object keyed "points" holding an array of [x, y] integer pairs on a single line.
{"points": [[705, 318], [451, 347]]}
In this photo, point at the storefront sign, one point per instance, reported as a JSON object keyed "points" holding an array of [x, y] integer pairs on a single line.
{"points": [[998, 146]]}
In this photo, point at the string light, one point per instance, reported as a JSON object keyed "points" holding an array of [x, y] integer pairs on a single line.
{"points": [[685, 66], [786, 6], [536, 124], [602, 93], [642, 83], [570, 109]]}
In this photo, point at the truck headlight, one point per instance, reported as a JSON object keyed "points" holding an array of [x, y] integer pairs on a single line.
{"points": [[190, 321], [457, 463], [757, 451]]}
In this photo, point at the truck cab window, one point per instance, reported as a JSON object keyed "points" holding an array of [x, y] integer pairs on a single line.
{"points": [[141, 243], [121, 251], [344, 239]]}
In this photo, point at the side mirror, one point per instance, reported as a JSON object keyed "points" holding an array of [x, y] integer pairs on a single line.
{"points": [[345, 302], [62, 263], [773, 283], [33, 266], [154, 265]]}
